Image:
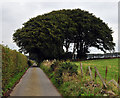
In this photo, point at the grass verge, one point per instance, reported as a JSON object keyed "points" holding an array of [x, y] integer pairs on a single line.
{"points": [[75, 84], [13, 81]]}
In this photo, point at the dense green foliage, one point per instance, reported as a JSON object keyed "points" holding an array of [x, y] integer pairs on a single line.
{"points": [[44, 36], [76, 85], [59, 69], [14, 64]]}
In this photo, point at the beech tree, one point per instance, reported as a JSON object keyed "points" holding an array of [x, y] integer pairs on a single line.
{"points": [[44, 36]]}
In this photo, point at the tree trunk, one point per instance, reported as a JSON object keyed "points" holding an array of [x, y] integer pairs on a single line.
{"points": [[81, 51], [74, 49]]}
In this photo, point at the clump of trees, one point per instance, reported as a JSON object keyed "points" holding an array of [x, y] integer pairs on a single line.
{"points": [[44, 36]]}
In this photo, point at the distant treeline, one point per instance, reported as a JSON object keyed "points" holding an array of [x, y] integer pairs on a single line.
{"points": [[13, 63], [100, 56], [106, 55]]}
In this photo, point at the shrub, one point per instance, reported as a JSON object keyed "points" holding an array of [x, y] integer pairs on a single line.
{"points": [[65, 67], [56, 70], [54, 65], [69, 67]]}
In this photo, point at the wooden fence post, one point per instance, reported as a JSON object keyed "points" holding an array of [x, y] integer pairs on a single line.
{"points": [[81, 69], [90, 72], [118, 79], [95, 74], [100, 77], [106, 73]]}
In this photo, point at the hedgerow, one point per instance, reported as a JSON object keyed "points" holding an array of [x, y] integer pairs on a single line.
{"points": [[13, 63]]}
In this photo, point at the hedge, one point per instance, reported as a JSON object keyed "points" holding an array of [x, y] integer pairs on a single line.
{"points": [[13, 63]]}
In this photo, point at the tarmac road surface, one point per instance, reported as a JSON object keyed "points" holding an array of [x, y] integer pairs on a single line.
{"points": [[34, 83]]}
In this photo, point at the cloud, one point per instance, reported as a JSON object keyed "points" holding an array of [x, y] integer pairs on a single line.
{"points": [[59, 1]]}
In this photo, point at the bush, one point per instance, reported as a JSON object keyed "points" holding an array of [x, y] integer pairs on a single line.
{"points": [[69, 67], [54, 65], [65, 67], [56, 70]]}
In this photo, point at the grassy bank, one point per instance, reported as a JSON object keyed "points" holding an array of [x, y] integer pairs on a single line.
{"points": [[75, 85], [14, 64], [12, 82]]}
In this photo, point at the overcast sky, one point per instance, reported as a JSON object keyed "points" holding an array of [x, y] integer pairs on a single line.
{"points": [[14, 14]]}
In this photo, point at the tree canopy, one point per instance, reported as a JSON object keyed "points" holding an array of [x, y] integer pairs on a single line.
{"points": [[44, 36]]}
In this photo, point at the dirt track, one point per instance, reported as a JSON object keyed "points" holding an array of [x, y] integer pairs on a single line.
{"points": [[34, 83]]}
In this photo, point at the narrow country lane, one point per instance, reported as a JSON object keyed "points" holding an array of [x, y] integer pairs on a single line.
{"points": [[34, 83]]}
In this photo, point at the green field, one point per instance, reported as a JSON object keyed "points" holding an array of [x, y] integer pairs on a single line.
{"points": [[112, 67]]}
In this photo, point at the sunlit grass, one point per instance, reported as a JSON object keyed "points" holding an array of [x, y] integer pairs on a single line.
{"points": [[112, 66]]}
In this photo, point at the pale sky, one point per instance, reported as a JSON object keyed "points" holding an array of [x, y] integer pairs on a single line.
{"points": [[15, 12]]}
